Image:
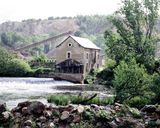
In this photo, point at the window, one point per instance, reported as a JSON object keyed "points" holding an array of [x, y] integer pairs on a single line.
{"points": [[70, 44], [87, 55], [98, 56], [68, 55], [97, 65], [87, 67]]}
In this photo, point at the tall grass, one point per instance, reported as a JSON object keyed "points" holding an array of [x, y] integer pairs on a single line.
{"points": [[64, 99]]}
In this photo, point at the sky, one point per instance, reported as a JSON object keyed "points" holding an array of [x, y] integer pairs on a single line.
{"points": [[17, 10]]}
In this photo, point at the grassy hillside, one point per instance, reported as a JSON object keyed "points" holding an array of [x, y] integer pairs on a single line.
{"points": [[18, 34], [28, 31]]}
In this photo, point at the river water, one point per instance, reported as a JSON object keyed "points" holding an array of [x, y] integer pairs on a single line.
{"points": [[14, 90]]}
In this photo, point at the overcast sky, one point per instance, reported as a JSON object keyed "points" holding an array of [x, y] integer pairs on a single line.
{"points": [[17, 10]]}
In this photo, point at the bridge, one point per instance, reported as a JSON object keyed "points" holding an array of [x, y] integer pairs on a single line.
{"points": [[42, 42]]}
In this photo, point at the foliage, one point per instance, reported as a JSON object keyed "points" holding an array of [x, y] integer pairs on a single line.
{"points": [[42, 61], [14, 40], [135, 28], [131, 80], [64, 99], [138, 101], [156, 88], [103, 115], [18, 67], [5, 58], [91, 77], [105, 77], [11, 66]]}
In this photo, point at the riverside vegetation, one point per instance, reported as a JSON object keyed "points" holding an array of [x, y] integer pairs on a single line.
{"points": [[131, 70]]}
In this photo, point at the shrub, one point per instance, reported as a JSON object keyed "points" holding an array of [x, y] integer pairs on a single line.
{"points": [[91, 77], [131, 80], [5, 58], [18, 67], [138, 101], [42, 70], [156, 89], [106, 76]]}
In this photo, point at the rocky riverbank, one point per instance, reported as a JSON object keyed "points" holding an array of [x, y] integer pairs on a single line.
{"points": [[37, 115]]}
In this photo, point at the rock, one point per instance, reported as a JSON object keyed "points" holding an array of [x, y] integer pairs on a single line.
{"points": [[25, 111], [6, 115], [51, 125], [76, 119], [149, 108], [48, 114], [42, 119], [69, 108], [158, 122], [36, 108], [95, 106], [64, 115], [27, 127], [28, 123], [80, 109], [113, 124], [56, 120], [158, 109], [16, 109], [24, 104], [2, 108], [70, 118], [99, 124], [118, 104]]}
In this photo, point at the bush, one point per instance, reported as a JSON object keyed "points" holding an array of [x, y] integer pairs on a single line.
{"points": [[91, 77], [18, 67], [5, 58], [131, 81], [138, 102], [42, 70], [156, 89], [105, 77]]}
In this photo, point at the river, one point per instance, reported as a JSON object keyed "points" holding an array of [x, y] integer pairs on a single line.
{"points": [[15, 90]]}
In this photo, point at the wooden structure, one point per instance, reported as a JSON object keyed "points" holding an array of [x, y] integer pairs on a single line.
{"points": [[69, 66]]}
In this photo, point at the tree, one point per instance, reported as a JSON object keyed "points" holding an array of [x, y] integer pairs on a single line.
{"points": [[134, 36], [18, 67], [5, 57], [131, 80]]}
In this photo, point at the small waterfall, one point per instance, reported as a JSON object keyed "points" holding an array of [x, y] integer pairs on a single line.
{"points": [[14, 90]]}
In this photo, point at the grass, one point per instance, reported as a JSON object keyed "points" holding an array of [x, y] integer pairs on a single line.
{"points": [[64, 99]]}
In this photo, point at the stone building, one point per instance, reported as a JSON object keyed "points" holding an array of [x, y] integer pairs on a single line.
{"points": [[77, 55]]}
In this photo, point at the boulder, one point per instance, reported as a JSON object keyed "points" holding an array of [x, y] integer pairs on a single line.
{"points": [[36, 108], [51, 125], [2, 108], [76, 119], [65, 115], [28, 123], [80, 109], [6, 115], [149, 108], [24, 104], [25, 111], [48, 114]]}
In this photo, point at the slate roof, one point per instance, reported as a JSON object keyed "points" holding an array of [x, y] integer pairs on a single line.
{"points": [[84, 42]]}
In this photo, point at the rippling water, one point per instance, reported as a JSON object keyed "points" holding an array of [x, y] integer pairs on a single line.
{"points": [[14, 90]]}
